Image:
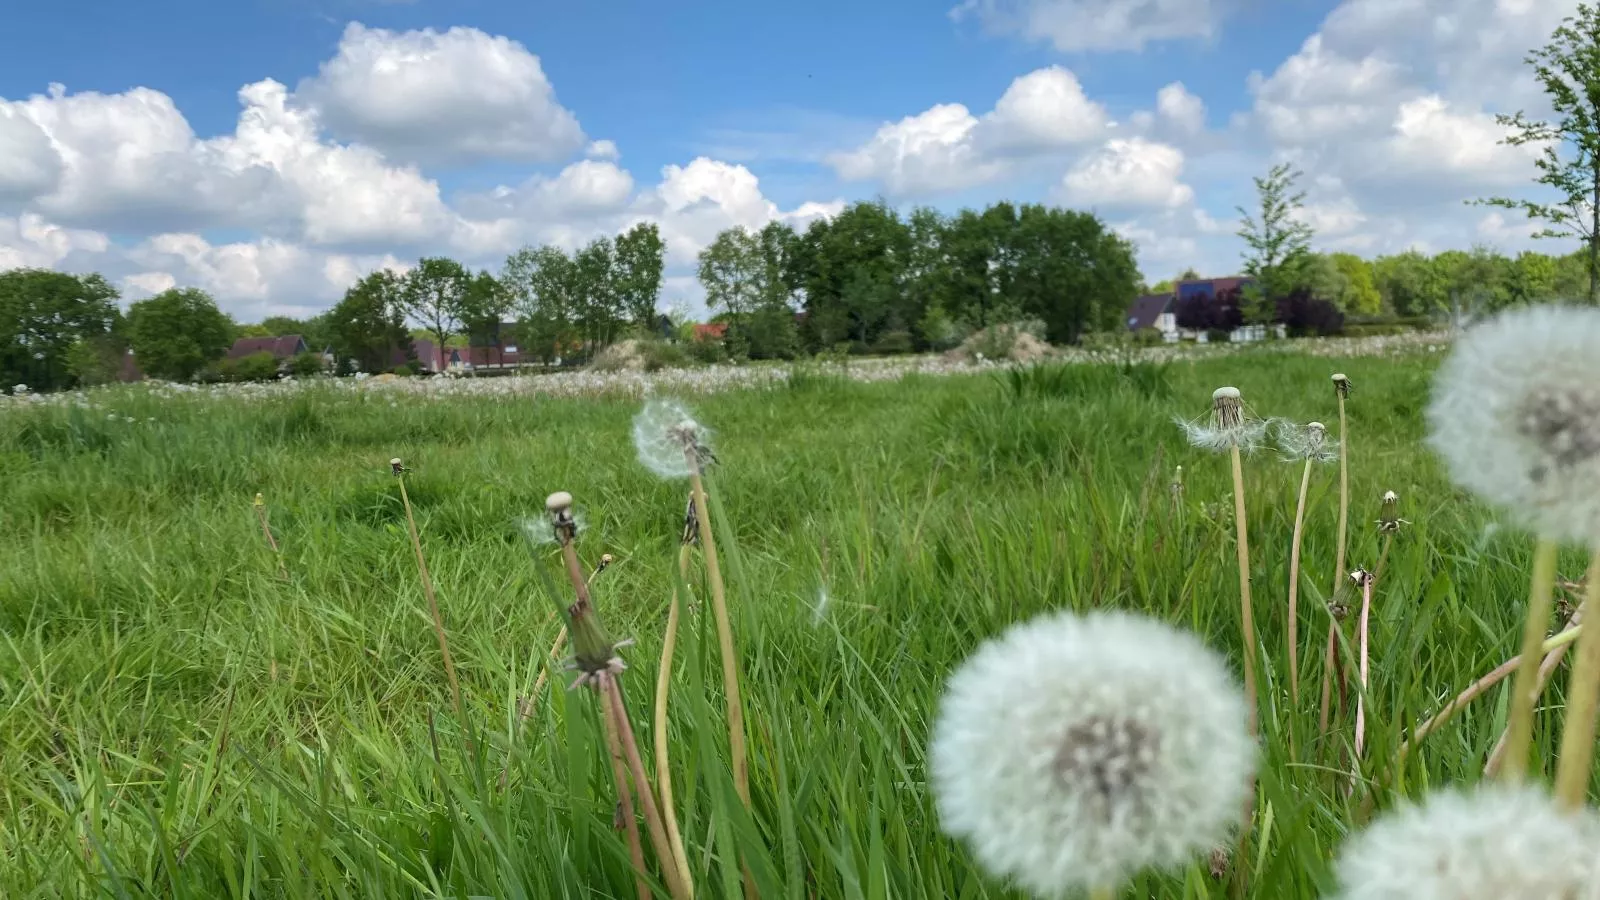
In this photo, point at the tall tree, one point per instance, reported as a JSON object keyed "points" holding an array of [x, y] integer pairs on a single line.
{"points": [[1360, 290], [436, 294], [599, 310], [1411, 284], [178, 332], [368, 327], [639, 258], [1279, 241], [44, 315], [544, 287], [1568, 69], [483, 311]]}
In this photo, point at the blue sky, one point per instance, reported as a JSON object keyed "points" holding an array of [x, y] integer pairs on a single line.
{"points": [[1154, 113]]}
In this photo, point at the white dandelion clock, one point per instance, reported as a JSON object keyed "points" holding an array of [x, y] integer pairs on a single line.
{"points": [[1307, 442], [665, 433], [1074, 751], [1229, 425], [1516, 416], [1497, 843]]}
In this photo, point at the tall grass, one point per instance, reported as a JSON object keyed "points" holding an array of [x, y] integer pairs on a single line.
{"points": [[177, 720]]}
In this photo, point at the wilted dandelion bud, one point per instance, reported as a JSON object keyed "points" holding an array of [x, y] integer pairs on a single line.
{"points": [[1360, 577], [1496, 843], [1229, 425], [1516, 416], [396, 466], [260, 501], [669, 440], [1341, 385], [1389, 520], [1075, 750]]}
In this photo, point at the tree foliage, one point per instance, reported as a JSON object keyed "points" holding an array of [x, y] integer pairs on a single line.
{"points": [[367, 328], [1568, 70], [435, 294], [55, 328], [178, 332], [639, 258], [1278, 242]]}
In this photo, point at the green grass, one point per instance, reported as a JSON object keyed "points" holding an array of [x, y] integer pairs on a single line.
{"points": [[178, 721]]}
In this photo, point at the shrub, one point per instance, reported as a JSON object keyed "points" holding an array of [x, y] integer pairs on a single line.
{"points": [[1149, 337], [404, 371], [1375, 329], [893, 342], [706, 351], [1218, 335], [302, 365], [255, 367], [658, 355], [1302, 315]]}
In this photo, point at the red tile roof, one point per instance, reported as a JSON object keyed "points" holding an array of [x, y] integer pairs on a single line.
{"points": [[281, 347], [712, 332]]}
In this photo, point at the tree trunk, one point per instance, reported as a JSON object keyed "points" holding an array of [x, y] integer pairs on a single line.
{"points": [[1594, 233]]}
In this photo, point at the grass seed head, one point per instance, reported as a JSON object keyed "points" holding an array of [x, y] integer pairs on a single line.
{"points": [[1515, 414], [1496, 843], [1075, 750]]}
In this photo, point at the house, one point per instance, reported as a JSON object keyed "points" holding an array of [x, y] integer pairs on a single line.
{"points": [[1218, 298], [283, 347], [714, 331], [1155, 311]]}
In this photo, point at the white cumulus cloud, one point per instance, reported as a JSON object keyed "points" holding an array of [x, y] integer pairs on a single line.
{"points": [[441, 97]]}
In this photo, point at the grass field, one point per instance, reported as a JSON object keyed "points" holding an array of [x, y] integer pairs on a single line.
{"points": [[179, 719]]}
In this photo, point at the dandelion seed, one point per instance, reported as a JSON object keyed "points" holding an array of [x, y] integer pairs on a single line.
{"points": [[1073, 751], [819, 609], [1229, 425], [1494, 844], [1516, 416]]}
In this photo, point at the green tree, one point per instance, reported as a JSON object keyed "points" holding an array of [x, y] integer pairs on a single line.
{"points": [[639, 258], [1279, 242], [1568, 69], [1533, 278], [178, 332], [435, 294], [43, 316], [1359, 295], [599, 305], [281, 326], [544, 288], [1410, 284], [367, 328], [484, 308]]}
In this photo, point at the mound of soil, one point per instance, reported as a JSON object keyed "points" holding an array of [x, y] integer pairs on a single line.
{"points": [[1001, 342], [623, 356]]}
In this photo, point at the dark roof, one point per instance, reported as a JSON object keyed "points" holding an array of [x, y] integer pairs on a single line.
{"points": [[281, 347], [1143, 312], [1211, 287]]}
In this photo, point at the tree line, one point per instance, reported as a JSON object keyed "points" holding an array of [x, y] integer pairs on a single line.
{"points": [[870, 279]]}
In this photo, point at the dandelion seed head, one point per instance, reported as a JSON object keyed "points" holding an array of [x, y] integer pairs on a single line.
{"points": [[1515, 414], [1390, 497], [664, 434], [1496, 843], [1073, 751], [560, 501], [1310, 442]]}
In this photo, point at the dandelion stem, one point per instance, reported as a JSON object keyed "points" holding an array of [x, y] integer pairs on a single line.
{"points": [[719, 608], [1363, 631], [663, 689], [1294, 587], [433, 603], [611, 692], [1247, 628], [625, 813], [1331, 663], [1525, 689], [272, 542], [1474, 690], [1497, 757], [1573, 769]]}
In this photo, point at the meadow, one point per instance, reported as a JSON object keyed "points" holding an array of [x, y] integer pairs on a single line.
{"points": [[185, 712]]}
